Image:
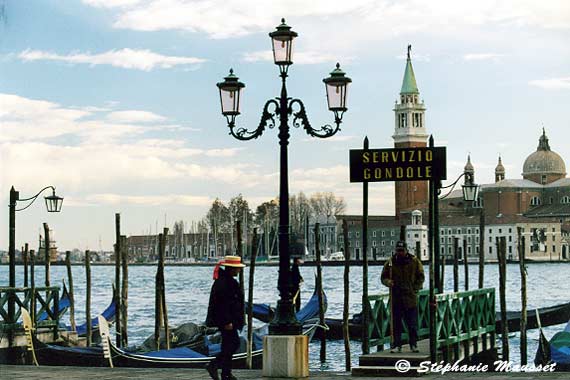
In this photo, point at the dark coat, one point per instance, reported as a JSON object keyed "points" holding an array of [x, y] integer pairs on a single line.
{"points": [[296, 277], [408, 275], [226, 303]]}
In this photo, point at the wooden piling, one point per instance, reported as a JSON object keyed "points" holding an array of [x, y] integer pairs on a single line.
{"points": [[158, 294], [25, 260], [502, 257], [163, 292], [124, 289], [33, 286], [441, 280], [118, 307], [455, 264], [88, 295], [481, 247], [70, 290], [323, 352], [239, 249], [47, 258], [253, 256], [522, 267], [365, 311], [345, 331], [465, 264]]}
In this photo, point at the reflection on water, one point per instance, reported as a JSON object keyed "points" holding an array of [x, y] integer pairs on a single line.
{"points": [[187, 292]]}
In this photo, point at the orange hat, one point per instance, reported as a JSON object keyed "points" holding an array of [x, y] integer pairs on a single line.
{"points": [[228, 261]]}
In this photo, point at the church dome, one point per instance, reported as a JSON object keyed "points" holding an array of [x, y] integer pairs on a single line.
{"points": [[544, 161]]}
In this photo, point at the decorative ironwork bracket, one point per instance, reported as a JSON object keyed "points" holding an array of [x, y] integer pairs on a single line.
{"points": [[267, 120], [300, 119]]}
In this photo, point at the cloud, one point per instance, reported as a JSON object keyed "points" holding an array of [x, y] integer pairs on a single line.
{"points": [[134, 117], [144, 60], [148, 200], [300, 58], [337, 138], [482, 57], [236, 18], [562, 83]]}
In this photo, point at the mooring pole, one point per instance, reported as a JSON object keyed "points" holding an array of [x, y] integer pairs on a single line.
{"points": [[455, 264], [124, 289], [158, 294], [345, 331], [118, 306], [163, 292], [323, 352], [253, 256], [521, 247], [502, 255], [239, 249], [25, 259], [365, 311], [481, 246], [71, 294], [465, 264], [88, 295], [47, 258], [33, 287]]}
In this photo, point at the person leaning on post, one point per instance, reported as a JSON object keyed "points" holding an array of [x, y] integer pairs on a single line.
{"points": [[226, 312], [403, 273]]}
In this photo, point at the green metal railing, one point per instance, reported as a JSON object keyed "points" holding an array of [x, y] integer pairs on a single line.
{"points": [[36, 300], [459, 317]]}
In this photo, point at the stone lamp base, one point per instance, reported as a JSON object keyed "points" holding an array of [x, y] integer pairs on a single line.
{"points": [[286, 356]]}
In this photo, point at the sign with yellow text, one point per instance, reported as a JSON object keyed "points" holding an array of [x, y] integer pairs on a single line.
{"points": [[399, 164]]}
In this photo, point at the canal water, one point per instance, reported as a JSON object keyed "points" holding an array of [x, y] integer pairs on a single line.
{"points": [[188, 287]]}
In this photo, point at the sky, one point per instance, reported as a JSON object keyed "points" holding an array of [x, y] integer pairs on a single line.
{"points": [[114, 102]]}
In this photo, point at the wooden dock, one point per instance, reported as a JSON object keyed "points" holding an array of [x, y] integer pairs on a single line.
{"points": [[464, 331]]}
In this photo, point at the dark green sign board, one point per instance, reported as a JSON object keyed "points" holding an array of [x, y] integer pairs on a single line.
{"points": [[398, 164]]}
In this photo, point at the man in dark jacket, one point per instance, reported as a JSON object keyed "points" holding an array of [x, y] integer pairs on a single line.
{"points": [[226, 312], [403, 273], [296, 280]]}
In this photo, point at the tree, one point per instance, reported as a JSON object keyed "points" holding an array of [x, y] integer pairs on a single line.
{"points": [[178, 244], [299, 210], [239, 210], [219, 222]]}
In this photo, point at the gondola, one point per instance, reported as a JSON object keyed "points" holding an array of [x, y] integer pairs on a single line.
{"points": [[109, 315], [556, 351], [184, 357]]}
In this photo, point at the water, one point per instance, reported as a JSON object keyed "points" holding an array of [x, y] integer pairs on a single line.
{"points": [[188, 288]]}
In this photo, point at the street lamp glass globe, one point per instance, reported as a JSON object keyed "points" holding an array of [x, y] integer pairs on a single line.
{"points": [[470, 192], [230, 94], [282, 43], [337, 88], [53, 203]]}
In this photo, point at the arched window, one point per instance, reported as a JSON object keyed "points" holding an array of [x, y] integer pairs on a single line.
{"points": [[535, 201], [565, 200]]}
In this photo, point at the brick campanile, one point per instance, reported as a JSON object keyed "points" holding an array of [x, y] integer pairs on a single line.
{"points": [[410, 131]]}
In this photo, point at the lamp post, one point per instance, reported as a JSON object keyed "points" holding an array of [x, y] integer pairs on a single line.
{"points": [[470, 192], [282, 107], [53, 204]]}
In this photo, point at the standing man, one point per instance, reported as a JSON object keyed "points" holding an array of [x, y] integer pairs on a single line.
{"points": [[296, 280], [226, 312], [403, 273]]}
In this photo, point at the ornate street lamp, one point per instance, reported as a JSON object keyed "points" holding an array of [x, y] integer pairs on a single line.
{"points": [[285, 322], [53, 204]]}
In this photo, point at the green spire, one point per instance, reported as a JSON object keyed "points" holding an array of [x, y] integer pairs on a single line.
{"points": [[409, 85]]}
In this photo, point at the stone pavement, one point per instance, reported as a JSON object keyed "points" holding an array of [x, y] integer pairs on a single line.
{"points": [[13, 372]]}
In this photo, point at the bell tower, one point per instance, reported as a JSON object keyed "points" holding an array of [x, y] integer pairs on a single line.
{"points": [[410, 131]]}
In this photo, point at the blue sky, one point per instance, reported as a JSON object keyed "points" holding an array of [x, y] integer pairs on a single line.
{"points": [[114, 101]]}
